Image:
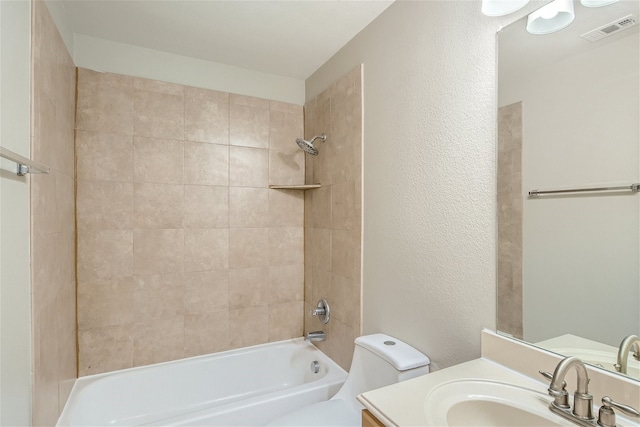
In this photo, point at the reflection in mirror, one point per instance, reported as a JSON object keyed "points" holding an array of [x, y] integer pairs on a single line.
{"points": [[569, 112]]}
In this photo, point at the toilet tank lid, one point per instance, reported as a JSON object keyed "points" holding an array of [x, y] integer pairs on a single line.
{"points": [[399, 354]]}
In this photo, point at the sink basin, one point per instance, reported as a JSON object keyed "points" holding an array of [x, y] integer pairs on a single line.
{"points": [[472, 402]]}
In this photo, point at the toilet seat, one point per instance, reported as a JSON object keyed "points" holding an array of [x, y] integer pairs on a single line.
{"points": [[335, 412]]}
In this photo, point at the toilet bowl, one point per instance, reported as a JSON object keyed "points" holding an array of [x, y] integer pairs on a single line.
{"points": [[378, 360]]}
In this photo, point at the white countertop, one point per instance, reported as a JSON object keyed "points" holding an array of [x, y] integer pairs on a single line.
{"points": [[402, 404]]}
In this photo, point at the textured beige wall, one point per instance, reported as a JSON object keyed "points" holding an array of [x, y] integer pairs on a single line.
{"points": [[333, 214], [509, 303], [182, 248], [53, 231]]}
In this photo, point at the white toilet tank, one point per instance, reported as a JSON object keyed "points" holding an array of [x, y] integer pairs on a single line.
{"points": [[380, 360]]}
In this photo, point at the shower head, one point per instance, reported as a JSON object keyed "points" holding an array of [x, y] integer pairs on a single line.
{"points": [[308, 146]]}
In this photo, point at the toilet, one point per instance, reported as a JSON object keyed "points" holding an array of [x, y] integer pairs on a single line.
{"points": [[378, 360]]}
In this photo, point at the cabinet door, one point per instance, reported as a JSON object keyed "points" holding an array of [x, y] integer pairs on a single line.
{"points": [[368, 420]]}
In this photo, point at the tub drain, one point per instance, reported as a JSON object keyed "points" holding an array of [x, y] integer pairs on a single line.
{"points": [[315, 367]]}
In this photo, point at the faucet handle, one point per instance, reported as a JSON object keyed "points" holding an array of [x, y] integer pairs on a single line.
{"points": [[606, 416], [560, 398]]}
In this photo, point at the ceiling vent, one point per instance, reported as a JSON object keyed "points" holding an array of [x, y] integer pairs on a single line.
{"points": [[610, 28]]}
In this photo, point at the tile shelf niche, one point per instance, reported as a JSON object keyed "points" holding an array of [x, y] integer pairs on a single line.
{"points": [[295, 187]]}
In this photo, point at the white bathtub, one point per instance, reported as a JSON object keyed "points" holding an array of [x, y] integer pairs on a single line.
{"points": [[248, 386]]}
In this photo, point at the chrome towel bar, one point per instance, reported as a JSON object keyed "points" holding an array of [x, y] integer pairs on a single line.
{"points": [[25, 165], [634, 188]]}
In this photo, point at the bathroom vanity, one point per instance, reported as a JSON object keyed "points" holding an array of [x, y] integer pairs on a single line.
{"points": [[504, 384]]}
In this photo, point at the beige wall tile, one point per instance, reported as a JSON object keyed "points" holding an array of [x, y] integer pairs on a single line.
{"points": [[343, 205], [320, 207], [308, 283], [65, 258], [45, 399], [206, 164], [45, 204], [333, 214], [105, 254], [44, 127], [286, 246], [158, 86], [344, 256], [107, 302], [53, 242], [248, 287], [248, 247], [249, 126], [179, 167], [158, 205], [206, 249], [248, 167], [105, 107], [345, 294], [318, 247], [342, 337], [104, 157], [158, 297], [286, 107], [104, 205], [206, 292], [105, 349], [65, 195], [248, 326], [88, 78], [206, 120], [286, 320], [321, 280], [286, 283], [206, 206], [248, 207], [67, 368], [158, 160], [159, 340], [158, 114], [286, 168], [158, 251], [284, 128], [206, 94], [286, 208], [248, 101], [206, 333]]}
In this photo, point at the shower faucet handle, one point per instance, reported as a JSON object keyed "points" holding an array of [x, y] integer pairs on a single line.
{"points": [[322, 310]]}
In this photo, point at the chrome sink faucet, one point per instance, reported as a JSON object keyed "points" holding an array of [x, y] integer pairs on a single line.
{"points": [[582, 412], [582, 400], [632, 341]]}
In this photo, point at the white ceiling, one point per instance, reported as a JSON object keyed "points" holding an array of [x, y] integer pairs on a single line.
{"points": [[286, 38]]}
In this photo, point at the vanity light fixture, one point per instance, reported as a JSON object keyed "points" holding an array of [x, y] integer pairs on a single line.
{"points": [[551, 18], [596, 3], [502, 7]]}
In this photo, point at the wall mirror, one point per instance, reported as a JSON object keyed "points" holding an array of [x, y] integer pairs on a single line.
{"points": [[569, 111]]}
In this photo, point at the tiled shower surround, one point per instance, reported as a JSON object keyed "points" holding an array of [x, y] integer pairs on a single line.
{"points": [[182, 248], [53, 288], [333, 215]]}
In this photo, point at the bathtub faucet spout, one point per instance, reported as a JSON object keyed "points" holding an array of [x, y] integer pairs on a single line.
{"points": [[315, 336]]}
